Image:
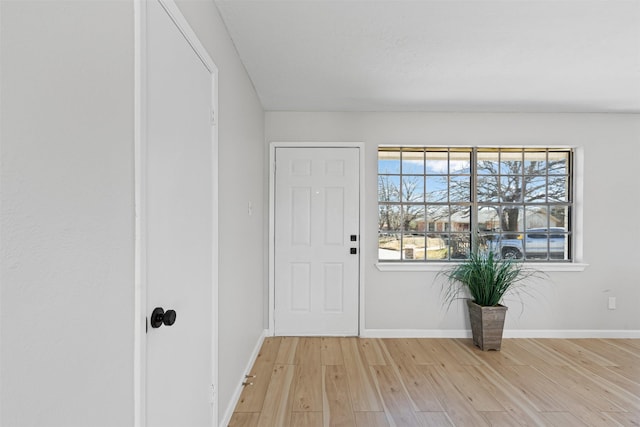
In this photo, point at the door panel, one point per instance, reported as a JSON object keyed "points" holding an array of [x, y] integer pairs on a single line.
{"points": [[316, 212], [178, 226]]}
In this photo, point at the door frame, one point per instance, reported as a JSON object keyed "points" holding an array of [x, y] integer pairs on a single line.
{"points": [[272, 221], [140, 168]]}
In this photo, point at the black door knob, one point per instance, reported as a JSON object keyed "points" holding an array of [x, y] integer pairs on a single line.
{"points": [[169, 317], [159, 317]]}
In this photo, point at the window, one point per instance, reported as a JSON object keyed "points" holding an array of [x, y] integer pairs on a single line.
{"points": [[435, 204]]}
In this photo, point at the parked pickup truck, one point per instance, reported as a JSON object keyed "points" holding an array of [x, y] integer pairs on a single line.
{"points": [[536, 243]]}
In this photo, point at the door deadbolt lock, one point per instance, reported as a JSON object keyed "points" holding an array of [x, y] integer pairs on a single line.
{"points": [[160, 317], [354, 251]]}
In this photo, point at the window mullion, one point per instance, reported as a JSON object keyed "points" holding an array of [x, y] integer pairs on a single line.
{"points": [[474, 199], [403, 207]]}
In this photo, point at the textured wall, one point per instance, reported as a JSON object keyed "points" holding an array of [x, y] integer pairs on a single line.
{"points": [[67, 213]]}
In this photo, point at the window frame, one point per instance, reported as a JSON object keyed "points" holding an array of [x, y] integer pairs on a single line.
{"points": [[573, 202]]}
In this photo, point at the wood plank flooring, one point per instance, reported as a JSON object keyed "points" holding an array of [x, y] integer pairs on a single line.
{"points": [[360, 382]]}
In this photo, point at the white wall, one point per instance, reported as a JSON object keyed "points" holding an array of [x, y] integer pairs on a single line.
{"points": [[242, 275], [67, 254], [569, 301], [67, 217]]}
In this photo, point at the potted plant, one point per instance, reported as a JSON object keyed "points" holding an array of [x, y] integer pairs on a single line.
{"points": [[486, 278]]}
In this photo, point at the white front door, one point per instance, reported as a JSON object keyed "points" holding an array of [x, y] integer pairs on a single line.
{"points": [[178, 225], [317, 242]]}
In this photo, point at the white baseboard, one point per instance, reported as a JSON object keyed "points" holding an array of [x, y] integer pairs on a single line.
{"points": [[228, 413], [571, 333], [508, 333], [415, 333]]}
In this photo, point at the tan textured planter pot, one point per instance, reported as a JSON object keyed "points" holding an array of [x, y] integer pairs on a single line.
{"points": [[487, 324]]}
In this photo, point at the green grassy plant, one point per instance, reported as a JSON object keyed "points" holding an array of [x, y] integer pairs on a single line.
{"points": [[485, 278]]}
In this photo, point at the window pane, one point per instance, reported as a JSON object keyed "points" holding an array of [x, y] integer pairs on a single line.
{"points": [[535, 188], [559, 246], [558, 188], [388, 246], [413, 162], [388, 188], [437, 247], [388, 162], [487, 163], [389, 231], [437, 189], [489, 242], [413, 188], [437, 162], [510, 189], [459, 246], [413, 242], [559, 217], [539, 245], [460, 163], [460, 218], [389, 219], [488, 188], [438, 218], [460, 188], [413, 219], [510, 163], [489, 218], [558, 162], [510, 245], [536, 218], [512, 219], [535, 163], [413, 247]]}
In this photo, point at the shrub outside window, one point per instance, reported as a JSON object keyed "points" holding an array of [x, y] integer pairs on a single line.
{"points": [[436, 204]]}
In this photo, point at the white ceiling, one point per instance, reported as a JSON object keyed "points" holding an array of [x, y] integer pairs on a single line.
{"points": [[447, 55]]}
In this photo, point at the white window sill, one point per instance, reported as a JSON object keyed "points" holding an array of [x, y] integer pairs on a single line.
{"points": [[438, 266]]}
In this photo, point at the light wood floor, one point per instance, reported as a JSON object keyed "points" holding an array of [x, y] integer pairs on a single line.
{"points": [[442, 382]]}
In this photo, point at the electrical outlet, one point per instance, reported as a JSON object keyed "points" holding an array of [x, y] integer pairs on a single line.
{"points": [[612, 303]]}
